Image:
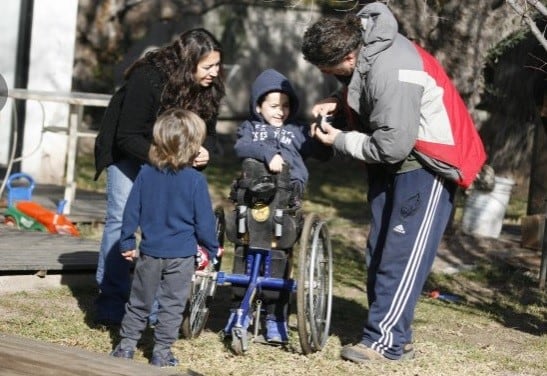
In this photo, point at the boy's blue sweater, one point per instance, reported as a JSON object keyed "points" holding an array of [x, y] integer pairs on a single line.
{"points": [[173, 211]]}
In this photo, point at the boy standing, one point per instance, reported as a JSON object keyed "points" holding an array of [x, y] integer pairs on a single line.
{"points": [[170, 203]]}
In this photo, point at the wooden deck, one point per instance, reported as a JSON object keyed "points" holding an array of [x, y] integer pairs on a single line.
{"points": [[88, 207], [27, 255], [39, 252], [22, 356], [28, 251]]}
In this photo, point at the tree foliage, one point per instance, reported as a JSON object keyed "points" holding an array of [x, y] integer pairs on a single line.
{"points": [[476, 41]]}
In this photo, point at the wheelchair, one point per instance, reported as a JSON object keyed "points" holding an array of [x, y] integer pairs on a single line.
{"points": [[262, 226]]}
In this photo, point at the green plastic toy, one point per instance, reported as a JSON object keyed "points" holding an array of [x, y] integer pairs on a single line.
{"points": [[15, 218]]}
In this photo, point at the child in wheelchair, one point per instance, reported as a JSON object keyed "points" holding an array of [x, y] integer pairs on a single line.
{"points": [[273, 147]]}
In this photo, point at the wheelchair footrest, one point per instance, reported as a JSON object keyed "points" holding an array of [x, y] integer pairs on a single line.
{"points": [[266, 283]]}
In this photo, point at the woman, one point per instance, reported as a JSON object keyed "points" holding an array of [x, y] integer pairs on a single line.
{"points": [[185, 74]]}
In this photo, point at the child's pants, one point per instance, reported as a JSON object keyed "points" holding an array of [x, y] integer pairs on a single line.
{"points": [[169, 281]]}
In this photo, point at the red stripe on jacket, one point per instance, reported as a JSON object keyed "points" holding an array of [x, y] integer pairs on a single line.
{"points": [[467, 154]]}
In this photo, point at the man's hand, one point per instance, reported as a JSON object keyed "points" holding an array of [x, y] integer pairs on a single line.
{"points": [[130, 255], [326, 136], [327, 106], [202, 159], [276, 164]]}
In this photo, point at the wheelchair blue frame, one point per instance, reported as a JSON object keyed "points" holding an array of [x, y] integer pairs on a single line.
{"points": [[275, 229], [256, 259]]}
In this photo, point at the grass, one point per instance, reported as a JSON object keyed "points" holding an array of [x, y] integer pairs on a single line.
{"points": [[497, 327]]}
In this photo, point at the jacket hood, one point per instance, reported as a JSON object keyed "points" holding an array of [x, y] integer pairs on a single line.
{"points": [[266, 82], [379, 29]]}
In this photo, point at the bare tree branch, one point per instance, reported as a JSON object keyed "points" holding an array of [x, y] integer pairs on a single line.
{"points": [[539, 6], [524, 13]]}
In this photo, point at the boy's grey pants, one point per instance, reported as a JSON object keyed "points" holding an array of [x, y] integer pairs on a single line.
{"points": [[167, 280]]}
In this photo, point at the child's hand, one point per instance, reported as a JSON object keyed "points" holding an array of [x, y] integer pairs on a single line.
{"points": [[276, 164], [202, 258], [130, 255], [202, 159]]}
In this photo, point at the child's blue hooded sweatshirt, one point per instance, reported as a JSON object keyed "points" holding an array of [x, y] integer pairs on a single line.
{"points": [[261, 141]]}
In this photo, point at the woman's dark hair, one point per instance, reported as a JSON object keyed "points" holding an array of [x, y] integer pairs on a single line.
{"points": [[178, 61], [330, 39]]}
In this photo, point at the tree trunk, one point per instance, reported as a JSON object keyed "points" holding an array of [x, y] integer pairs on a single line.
{"points": [[537, 198]]}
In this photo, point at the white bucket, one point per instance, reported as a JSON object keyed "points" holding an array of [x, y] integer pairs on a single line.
{"points": [[484, 211]]}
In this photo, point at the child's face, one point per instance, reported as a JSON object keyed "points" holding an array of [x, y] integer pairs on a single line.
{"points": [[275, 108]]}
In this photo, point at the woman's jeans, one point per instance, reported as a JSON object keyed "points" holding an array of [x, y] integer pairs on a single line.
{"points": [[112, 274]]}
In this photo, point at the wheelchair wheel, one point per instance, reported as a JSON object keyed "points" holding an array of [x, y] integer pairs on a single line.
{"points": [[220, 222], [203, 288], [197, 308], [314, 285]]}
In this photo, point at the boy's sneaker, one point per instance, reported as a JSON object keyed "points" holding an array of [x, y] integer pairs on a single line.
{"points": [[118, 352], [276, 331], [168, 360]]}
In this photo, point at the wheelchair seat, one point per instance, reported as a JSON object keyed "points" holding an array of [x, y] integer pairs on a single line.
{"points": [[262, 217]]}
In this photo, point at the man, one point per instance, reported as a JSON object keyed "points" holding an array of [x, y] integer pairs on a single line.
{"points": [[412, 130]]}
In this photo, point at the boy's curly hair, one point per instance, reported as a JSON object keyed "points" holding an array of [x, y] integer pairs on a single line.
{"points": [[178, 135], [330, 39]]}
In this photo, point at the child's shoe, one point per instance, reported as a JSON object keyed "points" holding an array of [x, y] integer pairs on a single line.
{"points": [[276, 331], [246, 321], [118, 352], [167, 360]]}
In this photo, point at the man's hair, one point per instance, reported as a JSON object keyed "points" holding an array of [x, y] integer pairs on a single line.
{"points": [[178, 135], [330, 39]]}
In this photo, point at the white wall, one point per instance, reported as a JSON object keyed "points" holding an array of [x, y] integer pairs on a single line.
{"points": [[9, 24], [51, 62]]}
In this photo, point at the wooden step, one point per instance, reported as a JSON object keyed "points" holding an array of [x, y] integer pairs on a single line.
{"points": [[24, 356]]}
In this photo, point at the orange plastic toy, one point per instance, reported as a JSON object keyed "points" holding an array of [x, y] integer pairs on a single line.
{"points": [[54, 222]]}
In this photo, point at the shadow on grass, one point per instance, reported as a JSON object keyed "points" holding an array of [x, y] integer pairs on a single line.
{"points": [[501, 290], [348, 316], [348, 320], [85, 296]]}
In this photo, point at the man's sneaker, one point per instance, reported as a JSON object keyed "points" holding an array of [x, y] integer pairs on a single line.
{"points": [[408, 352], [168, 360], [276, 331], [360, 353], [118, 352]]}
